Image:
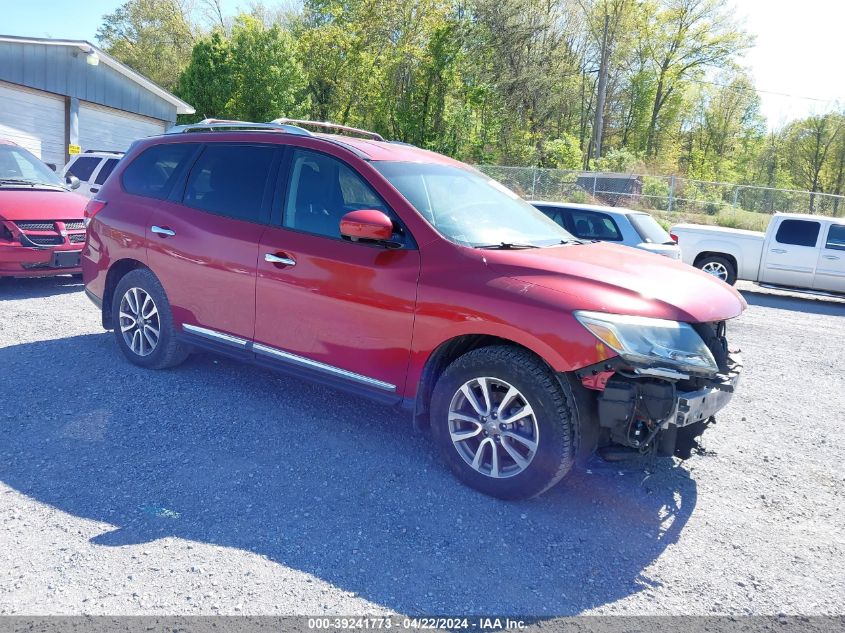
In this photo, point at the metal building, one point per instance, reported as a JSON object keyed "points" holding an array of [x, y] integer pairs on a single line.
{"points": [[60, 96]]}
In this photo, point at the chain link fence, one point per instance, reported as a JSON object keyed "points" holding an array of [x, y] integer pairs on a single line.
{"points": [[669, 197]]}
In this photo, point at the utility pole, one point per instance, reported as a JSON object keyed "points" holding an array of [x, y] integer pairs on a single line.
{"points": [[602, 92]]}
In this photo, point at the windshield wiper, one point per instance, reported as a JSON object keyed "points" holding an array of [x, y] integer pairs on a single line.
{"points": [[28, 183], [506, 246]]}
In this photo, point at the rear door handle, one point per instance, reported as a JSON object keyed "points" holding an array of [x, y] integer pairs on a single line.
{"points": [[830, 256], [162, 230], [778, 250], [279, 259]]}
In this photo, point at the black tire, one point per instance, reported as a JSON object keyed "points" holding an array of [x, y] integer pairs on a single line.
{"points": [[718, 260], [167, 352], [554, 455]]}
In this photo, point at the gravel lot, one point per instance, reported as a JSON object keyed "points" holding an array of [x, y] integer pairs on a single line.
{"points": [[222, 488]]}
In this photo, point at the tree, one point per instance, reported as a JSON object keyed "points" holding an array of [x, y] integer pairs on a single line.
{"points": [[208, 81], [155, 37], [268, 80], [810, 144], [683, 37]]}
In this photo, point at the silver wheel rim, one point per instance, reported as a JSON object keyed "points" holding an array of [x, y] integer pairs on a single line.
{"points": [[493, 427], [139, 322], [716, 269]]}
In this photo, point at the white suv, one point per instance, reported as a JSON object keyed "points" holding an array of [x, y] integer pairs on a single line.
{"points": [[92, 168]]}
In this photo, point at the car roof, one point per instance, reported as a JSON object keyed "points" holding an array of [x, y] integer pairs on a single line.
{"points": [[808, 216], [368, 149], [588, 207]]}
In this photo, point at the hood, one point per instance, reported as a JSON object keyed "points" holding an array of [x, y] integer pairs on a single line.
{"points": [[41, 204], [620, 280]]}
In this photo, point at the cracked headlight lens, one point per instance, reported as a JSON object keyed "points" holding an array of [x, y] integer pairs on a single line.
{"points": [[650, 342]]}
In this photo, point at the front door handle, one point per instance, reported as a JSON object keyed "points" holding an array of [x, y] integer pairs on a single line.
{"points": [[830, 256], [278, 259], [778, 250], [162, 230]]}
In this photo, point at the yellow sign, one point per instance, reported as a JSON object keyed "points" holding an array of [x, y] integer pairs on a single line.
{"points": [[73, 149]]}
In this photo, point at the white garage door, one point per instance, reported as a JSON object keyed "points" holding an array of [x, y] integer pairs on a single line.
{"points": [[107, 129], [34, 120]]}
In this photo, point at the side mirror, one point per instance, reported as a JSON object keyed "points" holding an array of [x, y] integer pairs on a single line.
{"points": [[72, 180], [366, 224]]}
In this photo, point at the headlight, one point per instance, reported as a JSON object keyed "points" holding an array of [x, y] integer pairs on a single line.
{"points": [[646, 341]]}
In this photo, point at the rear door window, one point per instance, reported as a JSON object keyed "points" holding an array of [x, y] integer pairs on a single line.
{"points": [[836, 238], [83, 167], [105, 171], [153, 173], [594, 226], [798, 232], [231, 180]]}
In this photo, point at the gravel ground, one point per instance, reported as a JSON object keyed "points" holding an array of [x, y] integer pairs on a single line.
{"points": [[222, 488]]}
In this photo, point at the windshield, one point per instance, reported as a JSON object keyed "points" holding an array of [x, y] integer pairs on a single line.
{"points": [[470, 208], [18, 165], [648, 228]]}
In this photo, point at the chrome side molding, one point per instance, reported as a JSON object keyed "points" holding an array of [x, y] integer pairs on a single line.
{"points": [[323, 367], [293, 359], [214, 335]]}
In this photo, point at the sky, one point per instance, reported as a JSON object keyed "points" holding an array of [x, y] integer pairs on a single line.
{"points": [[800, 47]]}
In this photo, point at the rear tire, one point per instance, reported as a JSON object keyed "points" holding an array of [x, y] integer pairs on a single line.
{"points": [[513, 443], [718, 266], [143, 322]]}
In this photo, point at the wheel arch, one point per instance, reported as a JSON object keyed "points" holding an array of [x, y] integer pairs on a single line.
{"points": [[442, 356], [117, 271], [728, 256]]}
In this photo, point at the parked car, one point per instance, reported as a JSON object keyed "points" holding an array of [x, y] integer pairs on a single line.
{"points": [[92, 168], [798, 251], [409, 277], [41, 219], [611, 224]]}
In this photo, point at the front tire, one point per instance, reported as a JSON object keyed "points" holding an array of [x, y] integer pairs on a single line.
{"points": [[502, 422], [718, 266], [144, 323]]}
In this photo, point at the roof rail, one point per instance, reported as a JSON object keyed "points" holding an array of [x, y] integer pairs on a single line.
{"points": [[211, 125], [331, 126], [103, 151]]}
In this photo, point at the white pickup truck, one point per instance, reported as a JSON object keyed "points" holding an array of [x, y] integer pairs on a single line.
{"points": [[798, 251]]}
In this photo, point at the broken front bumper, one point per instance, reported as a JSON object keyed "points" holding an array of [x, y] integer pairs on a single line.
{"points": [[701, 404]]}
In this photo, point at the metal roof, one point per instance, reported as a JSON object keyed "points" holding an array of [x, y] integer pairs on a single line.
{"points": [[87, 47]]}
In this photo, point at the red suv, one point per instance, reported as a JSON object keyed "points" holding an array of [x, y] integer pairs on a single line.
{"points": [[403, 275], [41, 220]]}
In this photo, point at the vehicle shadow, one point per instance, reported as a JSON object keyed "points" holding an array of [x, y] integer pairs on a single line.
{"points": [[795, 304], [37, 287], [227, 454]]}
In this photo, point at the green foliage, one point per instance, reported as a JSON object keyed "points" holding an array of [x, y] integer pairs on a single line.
{"points": [[563, 153], [154, 37], [507, 82]]}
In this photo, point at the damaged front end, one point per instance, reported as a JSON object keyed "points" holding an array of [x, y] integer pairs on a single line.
{"points": [[663, 390]]}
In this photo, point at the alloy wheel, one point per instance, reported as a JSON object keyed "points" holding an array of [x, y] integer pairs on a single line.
{"points": [[493, 427], [139, 321], [717, 269]]}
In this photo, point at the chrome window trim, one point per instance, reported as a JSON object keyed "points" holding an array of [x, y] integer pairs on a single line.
{"points": [[330, 369], [215, 335]]}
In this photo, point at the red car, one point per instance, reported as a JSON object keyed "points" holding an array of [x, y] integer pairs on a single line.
{"points": [[41, 220], [404, 275]]}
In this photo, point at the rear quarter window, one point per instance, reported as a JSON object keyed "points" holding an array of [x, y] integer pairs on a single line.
{"points": [[798, 232], [153, 173]]}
